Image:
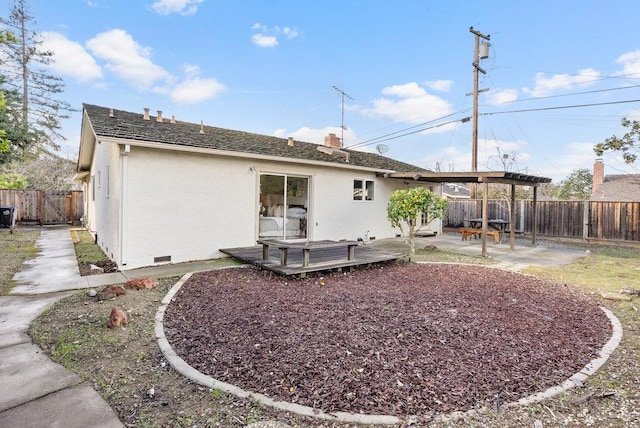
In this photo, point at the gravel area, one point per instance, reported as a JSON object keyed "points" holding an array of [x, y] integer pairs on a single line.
{"points": [[396, 339]]}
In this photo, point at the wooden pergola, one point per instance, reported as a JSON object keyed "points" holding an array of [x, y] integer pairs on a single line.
{"points": [[484, 177]]}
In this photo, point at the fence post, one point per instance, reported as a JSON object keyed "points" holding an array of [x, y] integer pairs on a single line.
{"points": [[585, 220]]}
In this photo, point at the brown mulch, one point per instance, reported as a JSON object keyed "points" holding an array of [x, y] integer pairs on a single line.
{"points": [[398, 339]]}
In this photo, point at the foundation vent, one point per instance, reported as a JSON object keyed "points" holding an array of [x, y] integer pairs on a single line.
{"points": [[161, 259]]}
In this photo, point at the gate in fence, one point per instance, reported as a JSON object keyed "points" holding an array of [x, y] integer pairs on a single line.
{"points": [[44, 206]]}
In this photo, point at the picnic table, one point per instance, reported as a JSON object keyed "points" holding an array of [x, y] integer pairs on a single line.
{"points": [[306, 247], [496, 223]]}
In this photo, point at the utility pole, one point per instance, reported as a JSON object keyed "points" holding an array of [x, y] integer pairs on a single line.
{"points": [[343, 94], [477, 56]]}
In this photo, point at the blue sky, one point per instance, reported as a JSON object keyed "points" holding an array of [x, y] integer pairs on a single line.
{"points": [[272, 67]]}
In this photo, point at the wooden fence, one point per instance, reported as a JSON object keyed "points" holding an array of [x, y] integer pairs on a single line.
{"points": [[619, 221], [44, 206]]}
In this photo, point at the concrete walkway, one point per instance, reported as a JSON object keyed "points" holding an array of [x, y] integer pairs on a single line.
{"points": [[36, 392]]}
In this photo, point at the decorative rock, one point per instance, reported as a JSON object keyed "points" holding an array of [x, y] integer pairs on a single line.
{"points": [[110, 292], [117, 318], [146, 283], [609, 295], [93, 269], [92, 293], [630, 290]]}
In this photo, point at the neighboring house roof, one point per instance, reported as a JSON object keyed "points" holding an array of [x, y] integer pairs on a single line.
{"points": [[455, 191], [127, 126], [618, 187]]}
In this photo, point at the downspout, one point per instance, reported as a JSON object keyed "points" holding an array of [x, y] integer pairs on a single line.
{"points": [[123, 203]]}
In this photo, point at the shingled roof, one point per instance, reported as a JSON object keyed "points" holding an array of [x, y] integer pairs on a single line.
{"points": [[120, 124], [618, 187]]}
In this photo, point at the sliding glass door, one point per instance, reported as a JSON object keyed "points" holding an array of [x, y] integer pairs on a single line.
{"points": [[284, 204]]}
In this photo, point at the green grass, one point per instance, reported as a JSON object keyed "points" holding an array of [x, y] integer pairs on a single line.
{"points": [[15, 248], [603, 269], [87, 251]]}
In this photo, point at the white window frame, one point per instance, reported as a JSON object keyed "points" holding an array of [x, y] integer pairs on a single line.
{"points": [[366, 187]]}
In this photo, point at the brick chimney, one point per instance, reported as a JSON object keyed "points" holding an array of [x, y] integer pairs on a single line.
{"points": [[332, 141], [598, 175]]}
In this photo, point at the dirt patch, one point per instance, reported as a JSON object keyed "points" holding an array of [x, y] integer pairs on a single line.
{"points": [[107, 266], [394, 339]]}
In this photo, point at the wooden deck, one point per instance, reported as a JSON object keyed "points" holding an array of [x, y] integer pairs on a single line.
{"points": [[319, 259]]}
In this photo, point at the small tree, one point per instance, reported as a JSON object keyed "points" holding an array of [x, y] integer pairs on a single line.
{"points": [[405, 206], [575, 186]]}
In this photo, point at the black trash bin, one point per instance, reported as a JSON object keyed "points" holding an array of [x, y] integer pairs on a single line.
{"points": [[7, 217]]}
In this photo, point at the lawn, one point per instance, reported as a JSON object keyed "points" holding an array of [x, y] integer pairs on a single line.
{"points": [[15, 248]]}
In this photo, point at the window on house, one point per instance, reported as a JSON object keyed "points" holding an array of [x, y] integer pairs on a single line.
{"points": [[363, 190], [107, 182]]}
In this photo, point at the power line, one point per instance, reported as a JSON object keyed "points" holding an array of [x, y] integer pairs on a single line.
{"points": [[571, 94], [561, 107], [374, 140], [378, 140]]}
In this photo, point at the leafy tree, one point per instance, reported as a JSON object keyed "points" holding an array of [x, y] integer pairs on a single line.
{"points": [[5, 146], [629, 144], [405, 205], [13, 180], [26, 71], [576, 186], [16, 140]]}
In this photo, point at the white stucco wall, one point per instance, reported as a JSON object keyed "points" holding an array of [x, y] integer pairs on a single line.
{"points": [[186, 206], [104, 204]]}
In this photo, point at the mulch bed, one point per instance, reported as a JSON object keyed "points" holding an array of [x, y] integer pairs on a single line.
{"points": [[396, 339]]}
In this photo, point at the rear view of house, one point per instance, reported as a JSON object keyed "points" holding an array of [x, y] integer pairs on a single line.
{"points": [[159, 190]]}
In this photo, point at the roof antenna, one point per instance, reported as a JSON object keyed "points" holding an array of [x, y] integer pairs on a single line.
{"points": [[202, 126], [342, 94]]}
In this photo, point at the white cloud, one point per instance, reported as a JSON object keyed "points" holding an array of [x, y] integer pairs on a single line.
{"points": [[502, 97], [452, 159], [316, 136], [408, 103], [127, 59], [569, 157], [545, 86], [195, 90], [630, 63], [268, 37], [290, 33], [264, 41], [439, 85], [70, 58], [191, 70], [183, 7]]}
